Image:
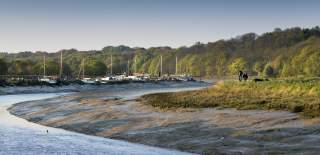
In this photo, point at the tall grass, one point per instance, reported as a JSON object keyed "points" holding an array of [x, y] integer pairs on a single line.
{"points": [[295, 95]]}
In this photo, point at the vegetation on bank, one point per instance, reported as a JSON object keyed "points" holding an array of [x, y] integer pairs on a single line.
{"points": [[281, 53], [295, 95]]}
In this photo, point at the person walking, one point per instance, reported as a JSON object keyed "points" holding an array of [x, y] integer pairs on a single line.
{"points": [[245, 76], [240, 76]]}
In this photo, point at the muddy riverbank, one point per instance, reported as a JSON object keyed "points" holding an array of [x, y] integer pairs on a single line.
{"points": [[115, 113], [19, 136]]}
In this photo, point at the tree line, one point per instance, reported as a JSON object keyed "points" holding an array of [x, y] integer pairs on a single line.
{"points": [[281, 53]]}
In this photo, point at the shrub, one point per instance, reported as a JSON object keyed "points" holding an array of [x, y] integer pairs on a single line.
{"points": [[268, 71]]}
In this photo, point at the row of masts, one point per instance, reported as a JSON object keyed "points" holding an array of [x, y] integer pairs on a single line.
{"points": [[111, 66], [61, 65], [176, 69]]}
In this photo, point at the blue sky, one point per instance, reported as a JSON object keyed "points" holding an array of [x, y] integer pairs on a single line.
{"points": [[51, 25]]}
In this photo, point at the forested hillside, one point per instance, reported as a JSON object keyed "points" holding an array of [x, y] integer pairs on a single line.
{"points": [[289, 52]]}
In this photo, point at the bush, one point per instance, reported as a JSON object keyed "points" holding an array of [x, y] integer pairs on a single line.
{"points": [[268, 71]]}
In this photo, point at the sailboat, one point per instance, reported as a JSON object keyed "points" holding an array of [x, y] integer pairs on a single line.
{"points": [[86, 80], [135, 76], [108, 79], [46, 79]]}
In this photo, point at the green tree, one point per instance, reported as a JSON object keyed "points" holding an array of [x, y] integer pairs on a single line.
{"points": [[52, 68], [312, 65], [237, 65], [286, 70], [21, 67], [3, 67], [95, 68], [299, 59], [220, 65], [277, 65], [289, 52], [258, 67]]}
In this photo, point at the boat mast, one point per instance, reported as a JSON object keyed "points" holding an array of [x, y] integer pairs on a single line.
{"points": [[161, 65], [61, 65], [111, 66], [135, 64], [83, 68], [44, 65], [128, 67], [176, 65], [106, 62]]}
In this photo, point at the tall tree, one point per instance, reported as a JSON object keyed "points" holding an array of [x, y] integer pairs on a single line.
{"points": [[3, 67]]}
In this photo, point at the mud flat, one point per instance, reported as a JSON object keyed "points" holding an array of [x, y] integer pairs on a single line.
{"points": [[115, 113], [19, 136]]}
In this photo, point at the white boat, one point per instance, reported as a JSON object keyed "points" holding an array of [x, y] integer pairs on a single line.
{"points": [[185, 78], [48, 79], [88, 81], [135, 78], [107, 79], [84, 79], [120, 77]]}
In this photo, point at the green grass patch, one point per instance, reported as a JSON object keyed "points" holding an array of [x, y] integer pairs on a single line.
{"points": [[294, 95]]}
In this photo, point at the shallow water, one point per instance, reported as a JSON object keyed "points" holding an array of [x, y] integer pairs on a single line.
{"points": [[6, 119]]}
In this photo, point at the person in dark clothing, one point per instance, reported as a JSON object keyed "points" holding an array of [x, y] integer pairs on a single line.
{"points": [[240, 75], [245, 76]]}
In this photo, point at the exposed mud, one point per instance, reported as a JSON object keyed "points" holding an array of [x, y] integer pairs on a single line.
{"points": [[116, 114]]}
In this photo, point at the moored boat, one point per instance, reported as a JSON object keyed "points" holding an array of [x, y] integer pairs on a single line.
{"points": [[88, 81]]}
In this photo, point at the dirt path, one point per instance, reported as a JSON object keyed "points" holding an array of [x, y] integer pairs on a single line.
{"points": [[193, 130]]}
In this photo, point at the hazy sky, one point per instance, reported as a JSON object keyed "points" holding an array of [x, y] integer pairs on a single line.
{"points": [[51, 25]]}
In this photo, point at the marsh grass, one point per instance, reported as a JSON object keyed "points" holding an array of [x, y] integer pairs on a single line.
{"points": [[295, 95]]}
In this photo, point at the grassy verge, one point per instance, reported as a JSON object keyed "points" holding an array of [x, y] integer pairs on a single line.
{"points": [[295, 95]]}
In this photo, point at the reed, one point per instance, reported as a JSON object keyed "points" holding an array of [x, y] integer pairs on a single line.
{"points": [[294, 95]]}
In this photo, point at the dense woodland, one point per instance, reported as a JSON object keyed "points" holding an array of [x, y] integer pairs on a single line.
{"points": [[281, 53]]}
